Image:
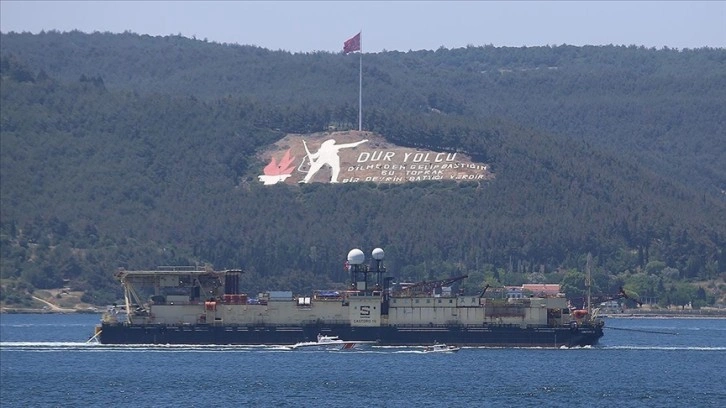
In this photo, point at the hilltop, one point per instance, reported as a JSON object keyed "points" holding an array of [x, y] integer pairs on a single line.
{"points": [[135, 151]]}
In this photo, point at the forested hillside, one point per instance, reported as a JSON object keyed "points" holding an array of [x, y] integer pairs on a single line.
{"points": [[136, 151]]}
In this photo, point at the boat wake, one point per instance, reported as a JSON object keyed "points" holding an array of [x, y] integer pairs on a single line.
{"points": [[39, 347], [95, 347]]}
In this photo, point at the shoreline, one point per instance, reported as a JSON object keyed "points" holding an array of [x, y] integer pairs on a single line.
{"points": [[663, 316], [51, 307], [14, 310], [708, 313]]}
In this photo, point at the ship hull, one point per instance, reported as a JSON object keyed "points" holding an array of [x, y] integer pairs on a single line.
{"points": [[490, 336]]}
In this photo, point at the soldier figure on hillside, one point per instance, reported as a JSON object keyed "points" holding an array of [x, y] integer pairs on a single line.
{"points": [[327, 154]]}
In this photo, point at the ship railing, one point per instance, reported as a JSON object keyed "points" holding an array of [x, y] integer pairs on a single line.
{"points": [[308, 322], [467, 326], [327, 299]]}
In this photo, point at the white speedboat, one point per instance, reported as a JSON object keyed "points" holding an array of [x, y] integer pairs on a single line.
{"points": [[329, 343], [441, 348]]}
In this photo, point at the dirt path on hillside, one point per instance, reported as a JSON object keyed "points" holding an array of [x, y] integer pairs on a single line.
{"points": [[52, 307]]}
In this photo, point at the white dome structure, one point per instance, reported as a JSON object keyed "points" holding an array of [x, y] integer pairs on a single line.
{"points": [[356, 257], [378, 254]]}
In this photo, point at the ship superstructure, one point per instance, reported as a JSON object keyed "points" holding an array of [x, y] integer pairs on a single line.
{"points": [[177, 305]]}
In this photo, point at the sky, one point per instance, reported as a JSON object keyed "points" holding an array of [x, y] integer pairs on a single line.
{"points": [[309, 26]]}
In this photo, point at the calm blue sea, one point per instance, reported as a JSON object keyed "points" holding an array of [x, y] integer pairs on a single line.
{"points": [[45, 362]]}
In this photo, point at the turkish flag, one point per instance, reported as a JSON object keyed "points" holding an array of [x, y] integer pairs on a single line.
{"points": [[352, 44]]}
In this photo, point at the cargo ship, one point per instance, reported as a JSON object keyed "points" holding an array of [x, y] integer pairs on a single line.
{"points": [[187, 305]]}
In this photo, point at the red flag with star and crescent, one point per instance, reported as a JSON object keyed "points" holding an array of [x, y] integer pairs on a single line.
{"points": [[352, 44]]}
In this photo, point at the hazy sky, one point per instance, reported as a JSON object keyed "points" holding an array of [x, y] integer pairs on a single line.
{"points": [[305, 26]]}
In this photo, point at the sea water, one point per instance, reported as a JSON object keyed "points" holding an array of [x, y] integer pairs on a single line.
{"points": [[46, 362]]}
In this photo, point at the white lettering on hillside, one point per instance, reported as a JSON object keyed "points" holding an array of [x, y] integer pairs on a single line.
{"points": [[376, 155], [397, 167], [408, 157], [352, 162]]}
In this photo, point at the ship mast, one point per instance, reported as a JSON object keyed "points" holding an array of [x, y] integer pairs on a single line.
{"points": [[588, 284]]}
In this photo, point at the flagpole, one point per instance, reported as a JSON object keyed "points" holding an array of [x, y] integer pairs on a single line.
{"points": [[360, 84]]}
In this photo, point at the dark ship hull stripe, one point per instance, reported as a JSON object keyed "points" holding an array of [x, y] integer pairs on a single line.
{"points": [[493, 336]]}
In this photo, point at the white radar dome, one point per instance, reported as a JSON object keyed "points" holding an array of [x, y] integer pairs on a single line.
{"points": [[356, 257], [378, 254]]}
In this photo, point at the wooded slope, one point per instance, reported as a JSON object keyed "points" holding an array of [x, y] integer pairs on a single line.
{"points": [[136, 151]]}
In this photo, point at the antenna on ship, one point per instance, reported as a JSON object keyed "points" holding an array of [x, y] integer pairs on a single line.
{"points": [[588, 284], [358, 271], [383, 285], [378, 256]]}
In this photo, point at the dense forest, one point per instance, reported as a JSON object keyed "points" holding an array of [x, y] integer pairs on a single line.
{"points": [[124, 150]]}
